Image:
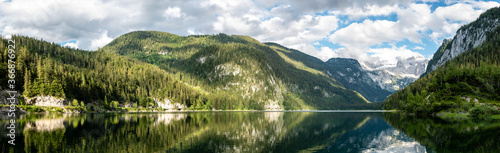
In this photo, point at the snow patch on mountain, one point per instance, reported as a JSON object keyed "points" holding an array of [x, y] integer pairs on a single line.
{"points": [[394, 77]]}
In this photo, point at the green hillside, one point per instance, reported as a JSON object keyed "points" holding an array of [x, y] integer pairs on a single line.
{"points": [[240, 66], [355, 78], [201, 72], [45, 68], [468, 83]]}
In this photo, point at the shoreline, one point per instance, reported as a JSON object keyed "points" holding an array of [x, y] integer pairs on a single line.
{"points": [[77, 110]]}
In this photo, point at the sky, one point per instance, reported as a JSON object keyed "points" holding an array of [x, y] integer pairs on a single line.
{"points": [[378, 32]]}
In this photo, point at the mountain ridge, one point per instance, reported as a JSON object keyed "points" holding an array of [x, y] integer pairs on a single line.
{"points": [[468, 37], [184, 52], [199, 72], [468, 83]]}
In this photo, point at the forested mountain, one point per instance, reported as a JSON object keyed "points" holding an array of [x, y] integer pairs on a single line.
{"points": [[465, 83], [45, 68], [269, 75], [468, 37], [200, 72]]}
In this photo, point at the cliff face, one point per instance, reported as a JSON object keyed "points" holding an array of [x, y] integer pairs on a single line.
{"points": [[467, 37]]}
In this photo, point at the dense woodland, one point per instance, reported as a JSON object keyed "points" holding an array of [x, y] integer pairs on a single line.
{"points": [[48, 69], [166, 66], [474, 74]]}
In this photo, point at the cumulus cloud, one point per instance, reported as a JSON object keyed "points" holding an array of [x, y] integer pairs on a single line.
{"points": [[297, 24], [390, 56], [367, 10], [414, 23], [174, 12], [103, 40], [369, 33]]}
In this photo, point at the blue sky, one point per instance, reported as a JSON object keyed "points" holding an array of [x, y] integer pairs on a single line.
{"points": [[376, 32]]}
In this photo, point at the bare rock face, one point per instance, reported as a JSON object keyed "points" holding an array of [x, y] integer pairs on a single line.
{"points": [[272, 105], [169, 105], [465, 39], [46, 101]]}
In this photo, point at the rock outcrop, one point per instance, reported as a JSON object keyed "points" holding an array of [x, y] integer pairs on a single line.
{"points": [[46, 101], [169, 105]]}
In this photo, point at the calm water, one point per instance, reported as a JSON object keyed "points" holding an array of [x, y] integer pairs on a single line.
{"points": [[249, 132]]}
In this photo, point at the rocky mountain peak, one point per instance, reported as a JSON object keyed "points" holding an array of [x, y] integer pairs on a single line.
{"points": [[468, 37]]}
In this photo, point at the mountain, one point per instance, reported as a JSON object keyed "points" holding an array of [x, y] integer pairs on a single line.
{"points": [[195, 72], [354, 79], [468, 37], [394, 77], [49, 73], [469, 82], [350, 73], [267, 74]]}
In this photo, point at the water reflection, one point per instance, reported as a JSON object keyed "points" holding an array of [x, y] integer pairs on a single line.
{"points": [[166, 119], [229, 132], [449, 136]]}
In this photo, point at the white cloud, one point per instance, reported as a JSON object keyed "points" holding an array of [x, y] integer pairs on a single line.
{"points": [[191, 32], [297, 24], [482, 5], [103, 40], [458, 12], [392, 55], [324, 53], [71, 45], [367, 10], [369, 33], [174, 12], [418, 48]]}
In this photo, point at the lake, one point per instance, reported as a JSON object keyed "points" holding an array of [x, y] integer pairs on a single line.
{"points": [[249, 132]]}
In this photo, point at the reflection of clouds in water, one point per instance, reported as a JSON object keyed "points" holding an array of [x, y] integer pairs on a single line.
{"points": [[168, 118], [394, 141]]}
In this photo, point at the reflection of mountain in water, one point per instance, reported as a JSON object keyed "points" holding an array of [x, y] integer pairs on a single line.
{"points": [[443, 136], [392, 140], [214, 132], [375, 135]]}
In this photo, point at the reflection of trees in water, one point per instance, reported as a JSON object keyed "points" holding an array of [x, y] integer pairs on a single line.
{"points": [[443, 136], [195, 132], [47, 132], [300, 131]]}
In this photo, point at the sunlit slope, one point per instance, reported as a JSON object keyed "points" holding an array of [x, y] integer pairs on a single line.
{"points": [[252, 74]]}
